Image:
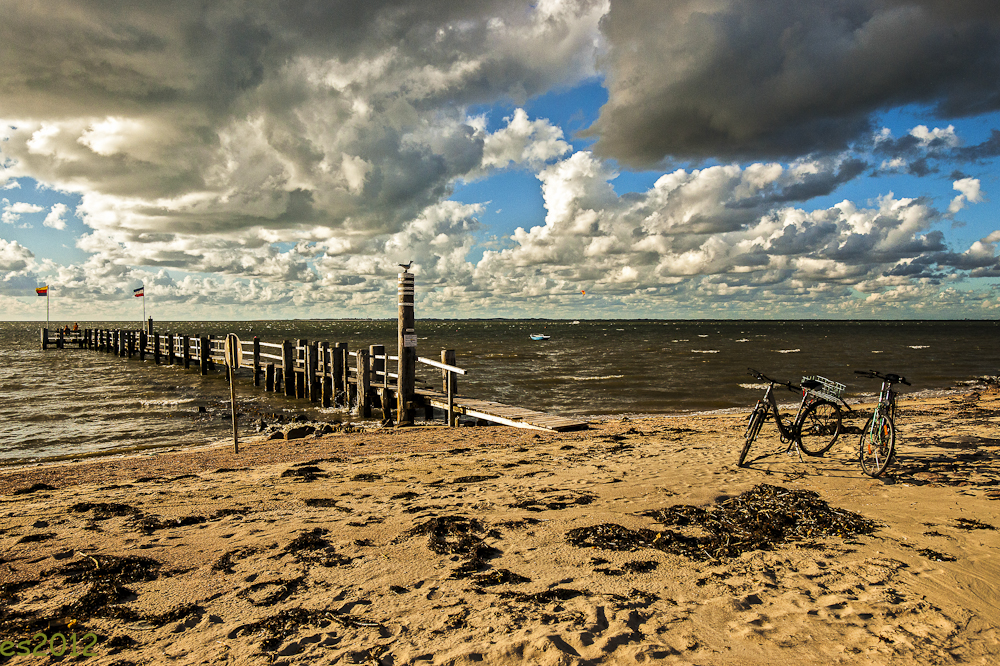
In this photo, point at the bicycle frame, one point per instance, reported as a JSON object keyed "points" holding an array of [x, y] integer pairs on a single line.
{"points": [[787, 434]]}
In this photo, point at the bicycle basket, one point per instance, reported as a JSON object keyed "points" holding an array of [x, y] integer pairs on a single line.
{"points": [[827, 388]]}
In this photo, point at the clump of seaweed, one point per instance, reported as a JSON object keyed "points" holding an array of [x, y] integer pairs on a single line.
{"points": [[105, 510], [476, 478], [554, 502], [455, 535], [972, 524], [286, 623], [935, 555], [306, 474], [370, 476], [499, 577], [759, 519], [228, 560], [33, 488], [311, 547]]}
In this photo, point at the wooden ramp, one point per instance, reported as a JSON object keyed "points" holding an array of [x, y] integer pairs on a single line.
{"points": [[497, 412]]}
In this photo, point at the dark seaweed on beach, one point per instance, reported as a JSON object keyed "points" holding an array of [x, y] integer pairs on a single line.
{"points": [[455, 535], [279, 591], [936, 556], [546, 597], [972, 524], [327, 503], [307, 473], [105, 510], [499, 577], [759, 519], [227, 561], [644, 566], [554, 502], [280, 626], [370, 476], [34, 488], [32, 538], [476, 478], [313, 548]]}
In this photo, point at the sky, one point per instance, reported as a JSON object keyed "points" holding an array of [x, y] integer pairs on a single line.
{"points": [[587, 159]]}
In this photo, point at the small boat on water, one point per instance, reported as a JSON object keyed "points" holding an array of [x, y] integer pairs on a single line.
{"points": [[539, 336]]}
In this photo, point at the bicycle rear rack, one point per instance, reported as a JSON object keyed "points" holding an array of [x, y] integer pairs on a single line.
{"points": [[827, 389]]}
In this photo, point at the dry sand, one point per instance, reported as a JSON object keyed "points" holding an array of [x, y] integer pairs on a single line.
{"points": [[320, 552]]}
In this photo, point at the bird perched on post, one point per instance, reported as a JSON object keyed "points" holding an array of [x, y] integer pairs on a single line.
{"points": [[406, 267]]}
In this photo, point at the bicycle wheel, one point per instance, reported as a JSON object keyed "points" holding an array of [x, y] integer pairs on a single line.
{"points": [[878, 444], [818, 427], [753, 428]]}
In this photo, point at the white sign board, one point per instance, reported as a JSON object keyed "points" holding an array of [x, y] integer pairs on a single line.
{"points": [[409, 340], [234, 351]]}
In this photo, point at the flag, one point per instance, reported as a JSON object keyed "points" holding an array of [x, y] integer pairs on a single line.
{"points": [[42, 291], [138, 292]]}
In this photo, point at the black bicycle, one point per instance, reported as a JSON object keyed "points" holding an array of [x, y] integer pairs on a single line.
{"points": [[816, 425], [878, 437]]}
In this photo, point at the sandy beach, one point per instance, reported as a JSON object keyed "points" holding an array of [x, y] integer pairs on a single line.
{"points": [[638, 540]]}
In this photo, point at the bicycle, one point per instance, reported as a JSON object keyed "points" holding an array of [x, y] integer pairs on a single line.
{"points": [[816, 425], [878, 437]]}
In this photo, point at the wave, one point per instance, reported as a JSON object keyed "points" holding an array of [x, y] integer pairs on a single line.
{"points": [[919, 346], [756, 387], [743, 340], [704, 351], [788, 351], [590, 379]]}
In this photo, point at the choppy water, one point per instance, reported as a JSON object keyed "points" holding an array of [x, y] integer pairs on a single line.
{"points": [[70, 402]]}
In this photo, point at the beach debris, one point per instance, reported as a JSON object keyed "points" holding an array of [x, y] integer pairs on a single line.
{"points": [[369, 476], [457, 535], [935, 555], [33, 488], [476, 478], [311, 547], [499, 577], [760, 519], [105, 510], [972, 524], [270, 592], [554, 502], [326, 503], [228, 559], [287, 623], [641, 566], [306, 474]]}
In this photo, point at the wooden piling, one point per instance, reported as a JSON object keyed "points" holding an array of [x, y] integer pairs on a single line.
{"points": [[170, 349], [203, 347], [269, 378], [156, 348], [312, 364], [59, 340], [341, 389], [406, 344], [364, 385], [256, 361], [378, 377], [45, 338], [325, 363], [288, 368], [300, 380], [186, 351]]}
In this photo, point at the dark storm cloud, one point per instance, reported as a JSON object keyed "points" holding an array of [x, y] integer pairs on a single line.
{"points": [[742, 79]]}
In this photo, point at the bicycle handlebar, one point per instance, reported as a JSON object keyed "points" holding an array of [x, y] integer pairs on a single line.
{"points": [[891, 378], [762, 377]]}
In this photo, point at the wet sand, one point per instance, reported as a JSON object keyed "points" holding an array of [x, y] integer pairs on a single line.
{"points": [[484, 546]]}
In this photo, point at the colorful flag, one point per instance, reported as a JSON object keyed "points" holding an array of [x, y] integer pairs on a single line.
{"points": [[138, 292], [42, 291]]}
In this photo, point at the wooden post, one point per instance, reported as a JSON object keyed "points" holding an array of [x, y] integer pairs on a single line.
{"points": [[170, 349], [256, 361], [452, 420], [149, 326], [300, 379], [59, 340], [288, 368], [143, 341], [312, 366], [203, 347], [45, 338], [156, 348], [341, 389], [364, 386], [279, 380], [449, 357], [186, 350], [269, 378], [406, 344], [130, 342], [378, 378], [324, 355]]}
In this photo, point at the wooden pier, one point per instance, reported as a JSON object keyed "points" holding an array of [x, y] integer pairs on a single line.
{"points": [[321, 372]]}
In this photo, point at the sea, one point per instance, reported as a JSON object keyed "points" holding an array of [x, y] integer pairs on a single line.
{"points": [[71, 402]]}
